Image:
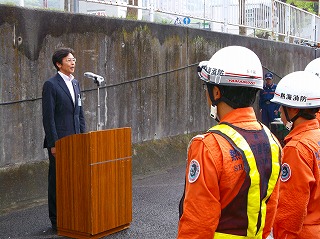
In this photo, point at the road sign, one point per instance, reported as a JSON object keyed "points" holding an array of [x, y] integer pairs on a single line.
{"points": [[186, 20], [177, 21]]}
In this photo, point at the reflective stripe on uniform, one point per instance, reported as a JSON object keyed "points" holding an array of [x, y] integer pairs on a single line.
{"points": [[219, 235], [273, 177], [253, 205]]}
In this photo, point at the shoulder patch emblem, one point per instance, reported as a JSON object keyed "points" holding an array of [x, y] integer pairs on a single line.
{"points": [[194, 171], [285, 172]]}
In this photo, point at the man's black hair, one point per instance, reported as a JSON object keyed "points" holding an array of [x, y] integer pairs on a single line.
{"points": [[235, 96], [59, 54], [308, 113]]}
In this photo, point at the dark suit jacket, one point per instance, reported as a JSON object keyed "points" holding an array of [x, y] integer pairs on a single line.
{"points": [[59, 115]]}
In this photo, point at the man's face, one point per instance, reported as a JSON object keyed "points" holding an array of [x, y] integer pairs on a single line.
{"points": [[282, 115], [68, 65], [268, 81]]}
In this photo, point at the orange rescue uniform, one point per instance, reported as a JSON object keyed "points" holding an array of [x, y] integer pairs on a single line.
{"points": [[218, 181], [298, 212], [318, 116]]}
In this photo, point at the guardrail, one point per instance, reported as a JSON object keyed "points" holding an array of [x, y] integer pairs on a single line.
{"points": [[270, 19]]}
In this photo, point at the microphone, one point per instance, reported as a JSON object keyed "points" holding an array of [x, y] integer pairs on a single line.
{"points": [[97, 79]]}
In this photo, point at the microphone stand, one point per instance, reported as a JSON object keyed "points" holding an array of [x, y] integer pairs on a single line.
{"points": [[98, 108]]}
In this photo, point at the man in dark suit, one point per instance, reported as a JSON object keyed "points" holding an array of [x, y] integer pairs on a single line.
{"points": [[62, 114]]}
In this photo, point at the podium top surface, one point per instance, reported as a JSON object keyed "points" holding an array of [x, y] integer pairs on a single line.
{"points": [[96, 146]]}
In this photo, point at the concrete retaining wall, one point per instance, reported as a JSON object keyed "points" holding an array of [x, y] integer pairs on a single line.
{"points": [[151, 86]]}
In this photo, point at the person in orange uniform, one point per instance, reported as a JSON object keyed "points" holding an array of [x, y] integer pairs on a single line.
{"points": [[318, 116], [298, 211], [314, 67], [232, 170]]}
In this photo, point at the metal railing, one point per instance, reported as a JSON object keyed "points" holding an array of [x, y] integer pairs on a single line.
{"points": [[270, 19]]}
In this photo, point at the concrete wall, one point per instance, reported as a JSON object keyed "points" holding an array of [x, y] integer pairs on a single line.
{"points": [[151, 85]]}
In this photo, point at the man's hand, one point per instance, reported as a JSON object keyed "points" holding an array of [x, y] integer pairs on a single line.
{"points": [[53, 151]]}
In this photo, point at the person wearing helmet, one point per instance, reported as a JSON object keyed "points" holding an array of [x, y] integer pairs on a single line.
{"points": [[314, 67], [298, 211], [232, 170], [268, 109]]}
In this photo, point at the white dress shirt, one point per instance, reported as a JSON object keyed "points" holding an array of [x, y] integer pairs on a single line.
{"points": [[68, 81]]}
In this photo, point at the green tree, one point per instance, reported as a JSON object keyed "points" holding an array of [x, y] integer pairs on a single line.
{"points": [[132, 13], [311, 7]]}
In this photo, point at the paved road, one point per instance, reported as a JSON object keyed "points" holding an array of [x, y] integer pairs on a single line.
{"points": [[155, 211]]}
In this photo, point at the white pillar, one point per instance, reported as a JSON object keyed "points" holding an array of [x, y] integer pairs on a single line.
{"points": [[225, 16], [151, 11]]}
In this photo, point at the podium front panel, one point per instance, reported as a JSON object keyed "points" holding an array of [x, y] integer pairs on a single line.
{"points": [[94, 182], [73, 183]]}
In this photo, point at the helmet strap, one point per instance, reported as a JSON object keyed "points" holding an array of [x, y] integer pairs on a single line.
{"points": [[214, 109], [214, 113], [301, 113], [289, 123]]}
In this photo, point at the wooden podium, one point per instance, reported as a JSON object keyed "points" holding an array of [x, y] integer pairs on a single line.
{"points": [[94, 183]]}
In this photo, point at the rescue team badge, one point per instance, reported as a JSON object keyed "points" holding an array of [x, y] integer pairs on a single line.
{"points": [[194, 171], [285, 172]]}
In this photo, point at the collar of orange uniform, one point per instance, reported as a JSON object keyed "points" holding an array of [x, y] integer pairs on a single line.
{"points": [[305, 126], [240, 115]]}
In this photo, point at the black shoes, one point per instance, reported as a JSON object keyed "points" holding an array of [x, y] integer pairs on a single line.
{"points": [[54, 227]]}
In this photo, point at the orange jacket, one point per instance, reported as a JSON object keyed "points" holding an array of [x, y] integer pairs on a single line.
{"points": [[298, 212], [318, 115], [217, 181]]}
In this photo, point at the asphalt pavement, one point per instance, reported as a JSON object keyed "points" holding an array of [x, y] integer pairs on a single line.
{"points": [[155, 211]]}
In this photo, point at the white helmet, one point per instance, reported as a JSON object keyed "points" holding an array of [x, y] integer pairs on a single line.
{"points": [[314, 67], [298, 89], [233, 66]]}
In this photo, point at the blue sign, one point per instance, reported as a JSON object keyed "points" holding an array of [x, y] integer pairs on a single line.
{"points": [[186, 20], [177, 21]]}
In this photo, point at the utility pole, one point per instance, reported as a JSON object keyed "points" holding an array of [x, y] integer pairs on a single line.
{"points": [[242, 18]]}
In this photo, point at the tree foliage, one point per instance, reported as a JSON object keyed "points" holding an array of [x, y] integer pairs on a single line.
{"points": [[311, 7]]}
